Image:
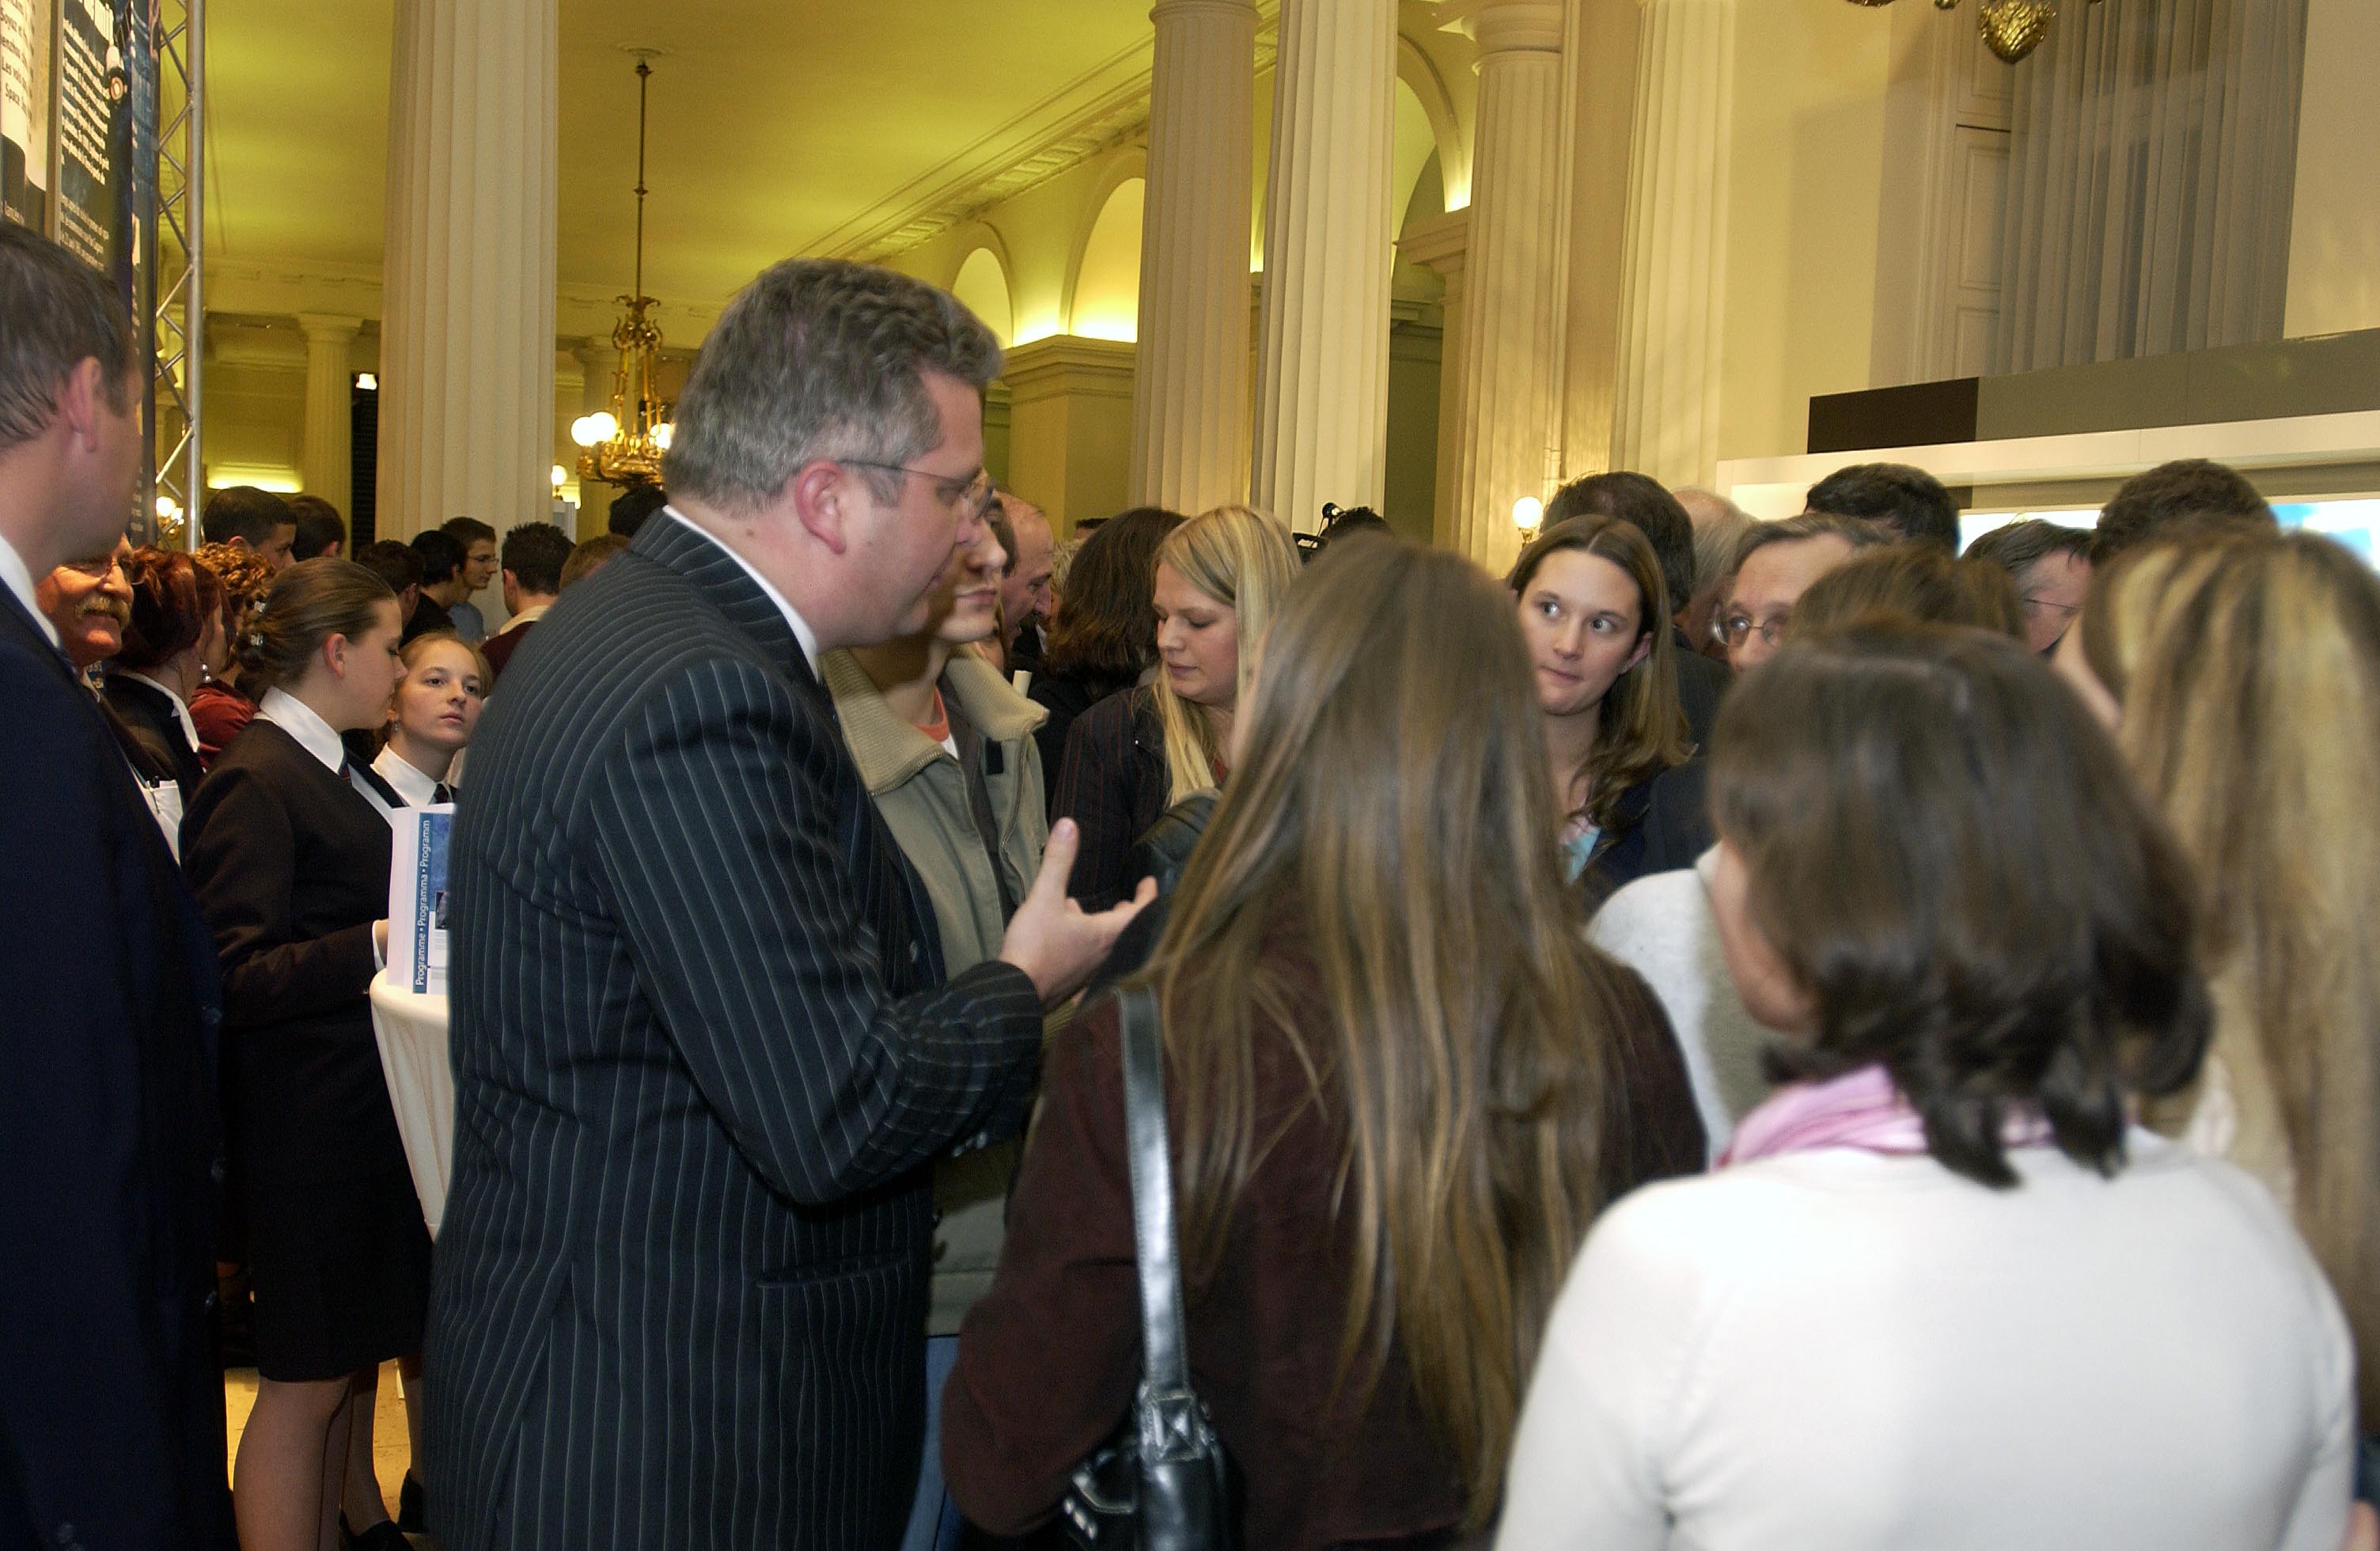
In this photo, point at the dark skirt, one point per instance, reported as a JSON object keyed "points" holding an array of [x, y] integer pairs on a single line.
{"points": [[338, 1253]]}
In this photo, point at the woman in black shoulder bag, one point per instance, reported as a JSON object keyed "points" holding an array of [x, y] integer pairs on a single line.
{"points": [[1398, 1089]]}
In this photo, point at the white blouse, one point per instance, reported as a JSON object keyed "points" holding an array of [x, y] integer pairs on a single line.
{"points": [[1836, 1351]]}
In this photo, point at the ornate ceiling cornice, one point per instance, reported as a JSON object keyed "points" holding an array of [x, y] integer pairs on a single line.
{"points": [[1103, 108]]}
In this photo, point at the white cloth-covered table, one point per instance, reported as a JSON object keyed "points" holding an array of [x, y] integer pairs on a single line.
{"points": [[412, 1034]]}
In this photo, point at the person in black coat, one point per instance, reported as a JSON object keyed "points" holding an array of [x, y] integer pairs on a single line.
{"points": [[1104, 637], [112, 1407], [704, 1049], [1594, 609], [288, 849], [174, 639]]}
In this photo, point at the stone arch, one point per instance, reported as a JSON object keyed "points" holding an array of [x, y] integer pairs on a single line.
{"points": [[1129, 166]]}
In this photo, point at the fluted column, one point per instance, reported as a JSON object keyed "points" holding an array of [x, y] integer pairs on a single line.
{"points": [[327, 459], [1667, 420], [1323, 412], [1190, 410], [467, 353], [1506, 368], [599, 358]]}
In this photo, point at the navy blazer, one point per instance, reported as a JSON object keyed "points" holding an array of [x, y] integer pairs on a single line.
{"points": [[703, 1057], [111, 1399]]}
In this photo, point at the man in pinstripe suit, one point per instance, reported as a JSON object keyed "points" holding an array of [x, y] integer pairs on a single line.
{"points": [[703, 1050]]}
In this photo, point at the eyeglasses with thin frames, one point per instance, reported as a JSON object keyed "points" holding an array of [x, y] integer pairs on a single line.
{"points": [[972, 496], [1732, 630]]}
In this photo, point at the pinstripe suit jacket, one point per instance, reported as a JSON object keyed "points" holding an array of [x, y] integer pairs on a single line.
{"points": [[702, 1057]]}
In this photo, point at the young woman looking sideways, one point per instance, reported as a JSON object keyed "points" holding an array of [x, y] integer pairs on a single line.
{"points": [[437, 708], [1594, 616]]}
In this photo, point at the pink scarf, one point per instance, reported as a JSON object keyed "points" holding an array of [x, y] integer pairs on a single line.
{"points": [[1860, 1110]]}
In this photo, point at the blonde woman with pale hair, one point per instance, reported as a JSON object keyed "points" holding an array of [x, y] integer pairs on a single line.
{"points": [[1402, 1088], [1218, 579], [2248, 677]]}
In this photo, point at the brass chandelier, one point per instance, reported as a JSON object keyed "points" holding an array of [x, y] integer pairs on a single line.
{"points": [[2011, 29], [624, 445]]}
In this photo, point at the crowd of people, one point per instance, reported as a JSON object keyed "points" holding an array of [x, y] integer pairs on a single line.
{"points": [[1731, 1033]]}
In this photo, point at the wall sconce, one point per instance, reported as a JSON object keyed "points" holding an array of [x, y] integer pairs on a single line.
{"points": [[559, 477], [1527, 513]]}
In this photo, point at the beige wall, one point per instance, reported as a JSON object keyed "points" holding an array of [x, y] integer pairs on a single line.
{"points": [[1810, 96], [2334, 226]]}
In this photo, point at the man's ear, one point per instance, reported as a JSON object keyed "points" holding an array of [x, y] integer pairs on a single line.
{"points": [[824, 493], [81, 397]]}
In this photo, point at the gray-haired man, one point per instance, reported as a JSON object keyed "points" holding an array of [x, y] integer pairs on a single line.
{"points": [[704, 1049]]}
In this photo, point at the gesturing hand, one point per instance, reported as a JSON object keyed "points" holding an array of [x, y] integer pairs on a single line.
{"points": [[1051, 938]]}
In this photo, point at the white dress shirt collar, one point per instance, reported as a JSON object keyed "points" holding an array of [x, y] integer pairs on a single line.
{"points": [[299, 720], [182, 711], [417, 789], [19, 581], [801, 626], [528, 613]]}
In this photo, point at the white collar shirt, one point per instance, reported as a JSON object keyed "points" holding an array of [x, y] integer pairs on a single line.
{"points": [[20, 578], [181, 711], [417, 789], [801, 627], [317, 737]]}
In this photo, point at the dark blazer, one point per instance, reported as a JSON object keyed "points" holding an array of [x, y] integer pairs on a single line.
{"points": [[429, 615], [1113, 787], [149, 712], [1663, 823], [703, 1056], [1048, 1358], [112, 1407], [1701, 682], [1065, 698]]}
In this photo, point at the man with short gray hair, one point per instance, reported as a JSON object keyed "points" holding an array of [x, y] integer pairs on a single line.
{"points": [[704, 1049]]}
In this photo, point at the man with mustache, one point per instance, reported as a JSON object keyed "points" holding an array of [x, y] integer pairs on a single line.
{"points": [[89, 603]]}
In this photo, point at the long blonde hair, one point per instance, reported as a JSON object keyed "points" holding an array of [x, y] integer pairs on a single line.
{"points": [[2251, 710], [1393, 811], [1244, 561]]}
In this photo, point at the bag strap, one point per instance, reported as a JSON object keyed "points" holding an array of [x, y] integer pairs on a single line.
{"points": [[1165, 1345]]}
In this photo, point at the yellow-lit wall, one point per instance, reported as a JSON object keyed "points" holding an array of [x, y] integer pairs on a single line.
{"points": [[1805, 186]]}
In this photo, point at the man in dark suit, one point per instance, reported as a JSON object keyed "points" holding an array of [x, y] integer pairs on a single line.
{"points": [[112, 1410], [703, 1045]]}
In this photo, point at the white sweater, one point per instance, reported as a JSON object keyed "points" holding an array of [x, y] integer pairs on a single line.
{"points": [[1840, 1352], [1662, 927]]}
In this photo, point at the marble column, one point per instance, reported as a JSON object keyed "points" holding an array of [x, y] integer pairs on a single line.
{"points": [[327, 458], [599, 358], [466, 349], [1190, 413], [1507, 368], [1323, 394], [1441, 243], [1674, 285]]}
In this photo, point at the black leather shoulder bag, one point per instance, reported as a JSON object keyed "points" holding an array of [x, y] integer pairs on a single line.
{"points": [[1162, 1482]]}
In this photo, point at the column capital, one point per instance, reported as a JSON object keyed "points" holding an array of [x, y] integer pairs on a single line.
{"points": [[1507, 26], [329, 328], [1167, 10]]}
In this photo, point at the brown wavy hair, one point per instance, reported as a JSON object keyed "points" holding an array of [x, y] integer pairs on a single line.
{"points": [[172, 597], [1106, 628], [1948, 854], [1394, 813], [1640, 727]]}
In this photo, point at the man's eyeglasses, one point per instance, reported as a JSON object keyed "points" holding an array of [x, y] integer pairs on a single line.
{"points": [[1733, 630], [971, 497]]}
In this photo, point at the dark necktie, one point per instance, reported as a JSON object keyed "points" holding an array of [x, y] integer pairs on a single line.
{"points": [[441, 793]]}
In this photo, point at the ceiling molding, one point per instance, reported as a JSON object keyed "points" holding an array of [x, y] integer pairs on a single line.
{"points": [[261, 290], [1099, 110]]}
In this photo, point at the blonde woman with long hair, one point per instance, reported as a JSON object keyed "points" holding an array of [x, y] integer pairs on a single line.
{"points": [[1401, 1088], [1595, 615], [2248, 677], [1218, 579]]}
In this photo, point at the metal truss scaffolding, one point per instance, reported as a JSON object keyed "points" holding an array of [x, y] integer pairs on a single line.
{"points": [[174, 236]]}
